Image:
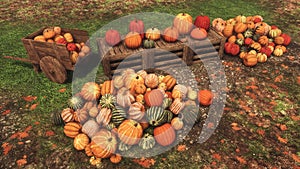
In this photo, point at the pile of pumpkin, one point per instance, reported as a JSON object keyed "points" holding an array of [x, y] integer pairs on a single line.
{"points": [[182, 25], [56, 35], [251, 38], [133, 109]]}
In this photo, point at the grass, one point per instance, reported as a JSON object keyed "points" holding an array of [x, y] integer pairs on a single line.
{"points": [[19, 77]]}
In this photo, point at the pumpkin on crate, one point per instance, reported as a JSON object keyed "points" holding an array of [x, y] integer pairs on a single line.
{"points": [[156, 115], [81, 141], [130, 132], [183, 22], [170, 34], [198, 33], [202, 21], [148, 43], [147, 141], [105, 144], [165, 134], [205, 97], [133, 40], [136, 111], [112, 37], [72, 129], [153, 33], [90, 91], [137, 25]]}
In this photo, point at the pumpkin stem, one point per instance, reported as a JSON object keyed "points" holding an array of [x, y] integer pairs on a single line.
{"points": [[135, 125], [110, 139]]}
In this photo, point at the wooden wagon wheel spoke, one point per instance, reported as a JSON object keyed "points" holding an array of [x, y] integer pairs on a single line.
{"points": [[53, 69]]}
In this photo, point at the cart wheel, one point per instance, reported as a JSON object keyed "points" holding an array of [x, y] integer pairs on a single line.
{"points": [[53, 69]]}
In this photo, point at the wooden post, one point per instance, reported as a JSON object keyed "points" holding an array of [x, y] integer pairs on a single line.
{"points": [[187, 55], [106, 66], [148, 59]]}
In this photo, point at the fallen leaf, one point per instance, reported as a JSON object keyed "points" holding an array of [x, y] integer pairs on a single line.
{"points": [[284, 66], [217, 156], [29, 98], [6, 148], [62, 90], [236, 128], [291, 58], [23, 135], [234, 124], [283, 127], [260, 132], [32, 107], [210, 125], [49, 133], [296, 158], [298, 80], [252, 87], [241, 160], [181, 148], [146, 163], [252, 114], [36, 123], [28, 128], [54, 146], [237, 150], [278, 78], [273, 86], [222, 141], [282, 140], [295, 118], [20, 142], [21, 162], [15, 135], [5, 112], [264, 71]]}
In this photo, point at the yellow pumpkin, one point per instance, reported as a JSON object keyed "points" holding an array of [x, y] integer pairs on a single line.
{"points": [[232, 39], [240, 27], [250, 60], [153, 33], [48, 33], [104, 144], [81, 141]]}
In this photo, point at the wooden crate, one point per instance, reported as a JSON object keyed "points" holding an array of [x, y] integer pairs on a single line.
{"points": [[37, 50], [160, 57]]}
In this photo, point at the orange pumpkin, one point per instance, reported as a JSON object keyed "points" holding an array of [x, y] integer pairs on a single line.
{"points": [[107, 87], [263, 40], [130, 132], [242, 54], [136, 111], [91, 127], [67, 115], [140, 88], [232, 39], [82, 115], [170, 34], [177, 106], [240, 27], [133, 40], [177, 123], [151, 80], [124, 97], [105, 144], [250, 60], [72, 129], [183, 22], [90, 91], [279, 40], [240, 36], [164, 134], [104, 116], [261, 57], [93, 111], [218, 24], [154, 97], [140, 98], [205, 97], [170, 81], [69, 38], [228, 30], [176, 94], [115, 158], [250, 25], [199, 33], [256, 46], [88, 150], [48, 33], [81, 141]]}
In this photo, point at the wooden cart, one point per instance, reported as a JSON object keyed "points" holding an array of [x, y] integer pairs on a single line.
{"points": [[113, 57], [51, 58]]}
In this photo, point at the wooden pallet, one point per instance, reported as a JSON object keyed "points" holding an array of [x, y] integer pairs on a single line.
{"points": [[117, 58]]}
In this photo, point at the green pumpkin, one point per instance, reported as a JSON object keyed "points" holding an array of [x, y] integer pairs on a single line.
{"points": [[124, 147], [156, 116], [166, 103], [190, 114], [256, 37], [192, 94], [118, 115], [169, 115], [147, 142], [248, 33], [240, 42], [56, 119], [110, 126], [75, 102], [108, 101], [149, 130], [244, 49], [148, 43]]}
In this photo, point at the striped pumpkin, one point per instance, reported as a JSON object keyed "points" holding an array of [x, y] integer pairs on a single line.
{"points": [[151, 80], [154, 97], [90, 91], [105, 144], [156, 116], [136, 111], [67, 115], [177, 106], [124, 147], [104, 116], [118, 115], [164, 134], [56, 118], [81, 141], [166, 103], [72, 129], [169, 115], [108, 101], [130, 132], [124, 97], [82, 115], [177, 123], [107, 87], [147, 142], [170, 81], [91, 127], [183, 90]]}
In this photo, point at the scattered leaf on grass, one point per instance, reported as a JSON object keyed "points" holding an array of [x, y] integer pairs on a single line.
{"points": [[62, 90], [28, 128], [296, 158], [260, 132], [22, 162], [6, 148], [181, 148], [29, 98], [36, 123], [49, 133], [253, 87], [282, 140], [283, 127], [217, 156], [278, 78], [5, 112], [298, 80], [241, 160], [23, 135], [20, 142], [146, 163], [32, 107]]}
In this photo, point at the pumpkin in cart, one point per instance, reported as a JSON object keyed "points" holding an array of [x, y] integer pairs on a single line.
{"points": [[171, 34], [112, 37], [40, 38], [156, 116], [133, 40], [164, 134], [105, 144], [81, 141], [137, 25], [183, 22], [130, 132], [72, 129], [205, 97], [153, 33], [48, 33], [202, 21], [69, 38], [198, 33], [90, 91]]}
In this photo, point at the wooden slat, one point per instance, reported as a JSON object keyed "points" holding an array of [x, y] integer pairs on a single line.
{"points": [[213, 54], [127, 63], [169, 62]]}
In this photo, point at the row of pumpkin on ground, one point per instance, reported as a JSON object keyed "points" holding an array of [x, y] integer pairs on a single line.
{"points": [[135, 109]]}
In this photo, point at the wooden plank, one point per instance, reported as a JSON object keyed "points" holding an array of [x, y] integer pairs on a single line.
{"points": [[148, 59], [33, 55], [126, 63], [106, 66], [118, 71], [204, 50], [167, 56], [187, 55], [211, 55], [169, 62]]}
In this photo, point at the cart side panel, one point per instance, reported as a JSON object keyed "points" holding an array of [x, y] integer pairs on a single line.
{"points": [[78, 35], [32, 53]]}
